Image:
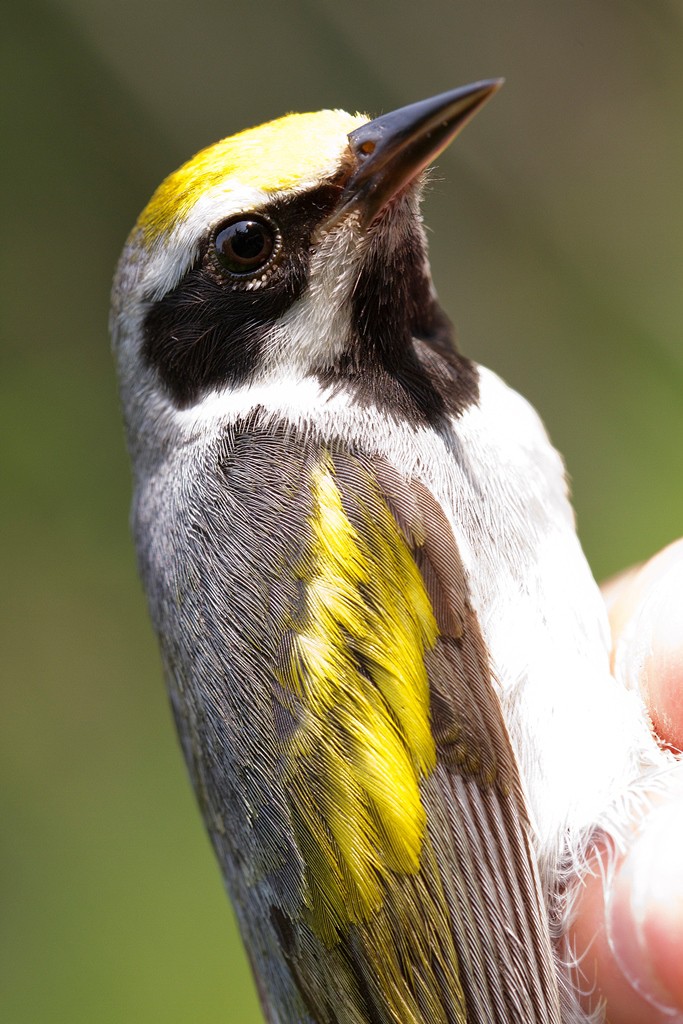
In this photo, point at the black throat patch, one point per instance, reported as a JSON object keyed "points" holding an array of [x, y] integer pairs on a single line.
{"points": [[403, 357]]}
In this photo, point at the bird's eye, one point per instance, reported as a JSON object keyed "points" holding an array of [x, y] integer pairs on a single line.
{"points": [[245, 245]]}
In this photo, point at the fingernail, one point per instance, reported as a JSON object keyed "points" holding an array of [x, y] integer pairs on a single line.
{"points": [[644, 912], [662, 670], [649, 653]]}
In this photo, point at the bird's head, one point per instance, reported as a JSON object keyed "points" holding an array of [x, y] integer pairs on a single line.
{"points": [[288, 251]]}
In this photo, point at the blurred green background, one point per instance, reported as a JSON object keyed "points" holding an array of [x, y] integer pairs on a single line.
{"points": [[557, 241]]}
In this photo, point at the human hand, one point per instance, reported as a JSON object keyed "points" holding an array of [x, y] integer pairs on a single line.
{"points": [[631, 942]]}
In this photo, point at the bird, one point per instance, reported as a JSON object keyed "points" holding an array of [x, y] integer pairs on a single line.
{"points": [[387, 658]]}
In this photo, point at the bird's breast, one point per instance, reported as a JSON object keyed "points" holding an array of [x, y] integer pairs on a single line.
{"points": [[502, 488]]}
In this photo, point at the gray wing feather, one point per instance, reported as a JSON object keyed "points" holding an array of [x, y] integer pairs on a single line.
{"points": [[219, 531]]}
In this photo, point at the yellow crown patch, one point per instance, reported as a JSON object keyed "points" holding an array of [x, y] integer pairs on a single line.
{"points": [[295, 150]]}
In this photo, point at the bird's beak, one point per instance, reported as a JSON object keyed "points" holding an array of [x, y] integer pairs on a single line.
{"points": [[391, 150]]}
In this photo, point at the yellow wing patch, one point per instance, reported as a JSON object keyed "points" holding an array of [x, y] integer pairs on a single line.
{"points": [[356, 662], [291, 152]]}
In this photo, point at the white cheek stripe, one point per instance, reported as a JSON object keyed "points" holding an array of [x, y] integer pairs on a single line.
{"points": [[316, 330]]}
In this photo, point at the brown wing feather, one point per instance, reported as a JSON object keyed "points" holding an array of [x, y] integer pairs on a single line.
{"points": [[475, 802], [459, 936]]}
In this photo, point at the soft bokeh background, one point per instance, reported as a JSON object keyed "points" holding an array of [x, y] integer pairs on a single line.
{"points": [[557, 239]]}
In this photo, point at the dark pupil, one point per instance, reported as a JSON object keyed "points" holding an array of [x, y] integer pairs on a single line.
{"points": [[244, 245]]}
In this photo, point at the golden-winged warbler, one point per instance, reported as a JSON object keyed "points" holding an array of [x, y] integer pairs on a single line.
{"points": [[382, 641]]}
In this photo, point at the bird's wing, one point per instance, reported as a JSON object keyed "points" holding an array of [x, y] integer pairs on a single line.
{"points": [[422, 896], [335, 703]]}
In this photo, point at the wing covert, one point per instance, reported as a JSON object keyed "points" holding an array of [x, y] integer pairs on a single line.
{"points": [[419, 864]]}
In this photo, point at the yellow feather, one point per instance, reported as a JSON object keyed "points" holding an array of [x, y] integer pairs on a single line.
{"points": [[357, 662], [296, 151]]}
